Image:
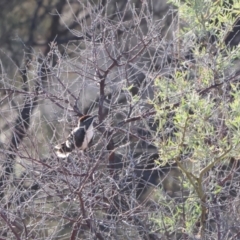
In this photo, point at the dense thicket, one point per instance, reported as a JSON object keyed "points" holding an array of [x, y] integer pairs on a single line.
{"points": [[163, 79]]}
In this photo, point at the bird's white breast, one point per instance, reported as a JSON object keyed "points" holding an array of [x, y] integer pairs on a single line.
{"points": [[88, 137]]}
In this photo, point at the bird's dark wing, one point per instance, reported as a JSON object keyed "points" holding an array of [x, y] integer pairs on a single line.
{"points": [[77, 136]]}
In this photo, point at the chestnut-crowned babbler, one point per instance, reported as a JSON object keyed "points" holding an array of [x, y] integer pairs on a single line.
{"points": [[80, 137]]}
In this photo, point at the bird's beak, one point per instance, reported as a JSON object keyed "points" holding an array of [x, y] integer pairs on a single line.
{"points": [[77, 115]]}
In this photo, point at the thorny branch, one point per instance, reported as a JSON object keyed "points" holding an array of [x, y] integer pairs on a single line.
{"points": [[77, 191]]}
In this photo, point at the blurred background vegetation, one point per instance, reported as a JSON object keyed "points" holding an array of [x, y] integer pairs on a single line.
{"points": [[162, 77]]}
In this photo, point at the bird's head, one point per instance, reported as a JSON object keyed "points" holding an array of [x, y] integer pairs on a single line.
{"points": [[86, 121]]}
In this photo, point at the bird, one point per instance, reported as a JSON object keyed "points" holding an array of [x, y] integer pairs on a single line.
{"points": [[80, 137]]}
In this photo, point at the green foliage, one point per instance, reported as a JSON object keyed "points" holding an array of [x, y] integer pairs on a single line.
{"points": [[206, 16], [202, 106]]}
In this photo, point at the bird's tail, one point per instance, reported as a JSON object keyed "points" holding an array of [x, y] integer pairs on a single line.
{"points": [[62, 150]]}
